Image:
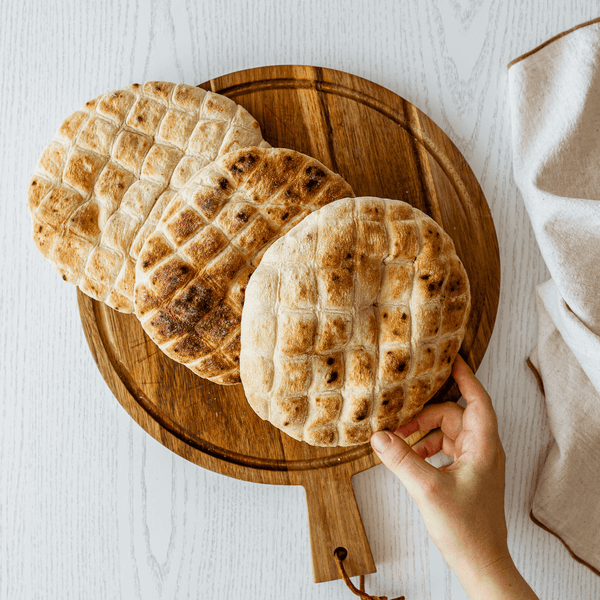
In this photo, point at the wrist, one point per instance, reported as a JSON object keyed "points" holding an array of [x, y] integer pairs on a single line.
{"points": [[499, 580]]}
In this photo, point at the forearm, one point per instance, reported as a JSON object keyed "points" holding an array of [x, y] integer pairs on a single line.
{"points": [[501, 581]]}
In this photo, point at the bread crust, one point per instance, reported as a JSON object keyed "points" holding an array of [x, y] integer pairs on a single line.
{"points": [[193, 270], [352, 321], [101, 184]]}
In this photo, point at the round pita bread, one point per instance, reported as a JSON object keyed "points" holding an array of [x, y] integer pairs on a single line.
{"points": [[352, 321], [100, 186], [192, 272]]}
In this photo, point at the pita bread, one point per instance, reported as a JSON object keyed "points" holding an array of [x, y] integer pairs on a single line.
{"points": [[100, 186], [192, 272], [352, 321]]}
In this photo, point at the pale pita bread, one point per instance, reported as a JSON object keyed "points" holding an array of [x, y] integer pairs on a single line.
{"points": [[352, 321]]}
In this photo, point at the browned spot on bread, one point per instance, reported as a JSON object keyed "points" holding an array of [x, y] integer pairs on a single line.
{"points": [[453, 315], [213, 365], [312, 180], [242, 163], [85, 221], [229, 379], [292, 411], [112, 183], [448, 351], [361, 368], [404, 239], [431, 279], [55, 208], [395, 327], [394, 366], [457, 283], [255, 235], [166, 325], [335, 287], [81, 171], [194, 302], [234, 216], [145, 300], [170, 276], [360, 409], [36, 193], [328, 372], [327, 408], [206, 245], [324, 436], [424, 361], [280, 215], [334, 332], [218, 324], [209, 201], [223, 270], [190, 347], [187, 222], [130, 149], [155, 249], [391, 403], [232, 348], [418, 391], [432, 243], [297, 334]]}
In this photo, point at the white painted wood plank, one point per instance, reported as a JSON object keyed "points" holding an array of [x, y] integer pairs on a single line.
{"points": [[91, 506]]}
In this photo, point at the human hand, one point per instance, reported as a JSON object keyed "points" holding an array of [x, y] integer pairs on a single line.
{"points": [[462, 504]]}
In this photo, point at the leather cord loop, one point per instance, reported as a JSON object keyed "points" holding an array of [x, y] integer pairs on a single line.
{"points": [[339, 555]]}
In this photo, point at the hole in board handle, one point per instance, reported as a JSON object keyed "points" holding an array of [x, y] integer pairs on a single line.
{"points": [[341, 553]]}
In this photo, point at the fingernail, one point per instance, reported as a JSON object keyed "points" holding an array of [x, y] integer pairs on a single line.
{"points": [[380, 441]]}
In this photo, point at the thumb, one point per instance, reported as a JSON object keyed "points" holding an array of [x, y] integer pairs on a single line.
{"points": [[416, 474]]}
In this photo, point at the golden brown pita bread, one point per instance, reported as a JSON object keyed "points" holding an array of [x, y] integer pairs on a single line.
{"points": [[192, 272]]}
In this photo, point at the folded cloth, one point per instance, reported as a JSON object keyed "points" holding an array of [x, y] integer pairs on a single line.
{"points": [[555, 118]]}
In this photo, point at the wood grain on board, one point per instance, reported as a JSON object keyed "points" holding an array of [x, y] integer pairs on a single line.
{"points": [[384, 147]]}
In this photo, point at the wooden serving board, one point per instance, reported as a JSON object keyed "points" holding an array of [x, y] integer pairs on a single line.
{"points": [[383, 146]]}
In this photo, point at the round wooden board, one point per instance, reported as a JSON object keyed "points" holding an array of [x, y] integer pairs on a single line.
{"points": [[383, 146]]}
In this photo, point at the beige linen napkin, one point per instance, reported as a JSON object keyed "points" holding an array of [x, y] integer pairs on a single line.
{"points": [[555, 118]]}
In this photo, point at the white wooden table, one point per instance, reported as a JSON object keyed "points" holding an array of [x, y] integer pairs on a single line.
{"points": [[93, 507]]}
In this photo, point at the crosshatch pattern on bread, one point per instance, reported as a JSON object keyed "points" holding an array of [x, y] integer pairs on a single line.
{"points": [[100, 186], [192, 272], [352, 321]]}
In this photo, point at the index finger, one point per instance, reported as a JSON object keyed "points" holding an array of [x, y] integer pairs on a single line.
{"points": [[447, 416]]}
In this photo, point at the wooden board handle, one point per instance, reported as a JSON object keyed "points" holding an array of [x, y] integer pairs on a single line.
{"points": [[334, 521]]}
